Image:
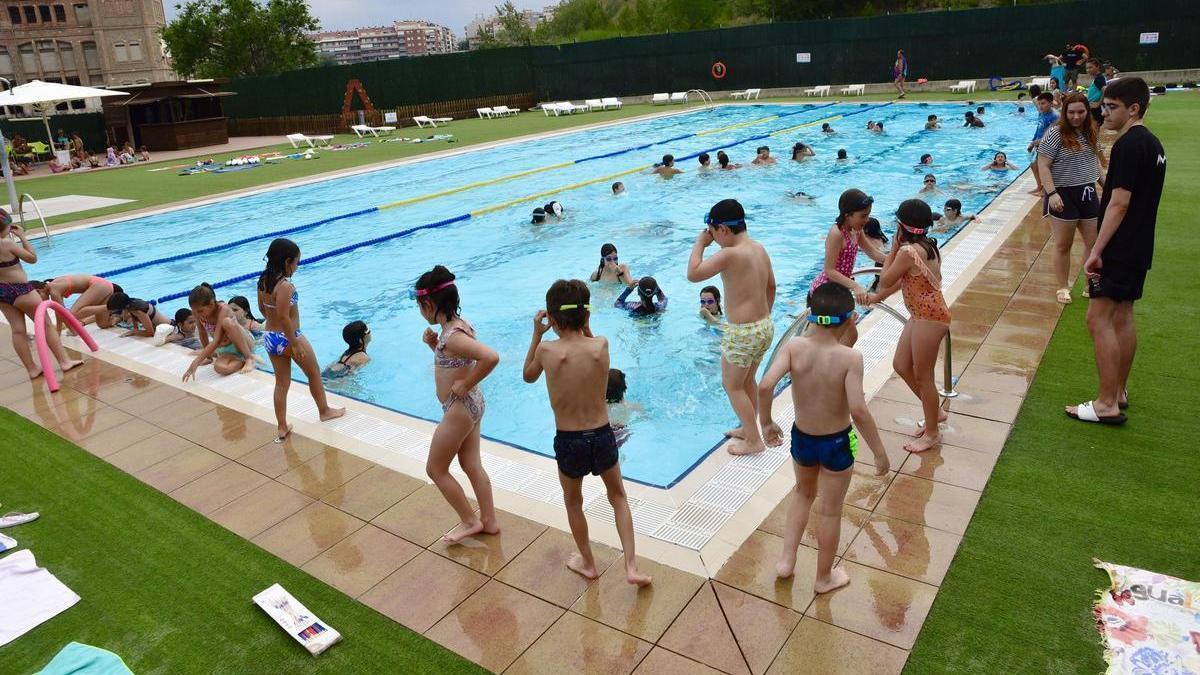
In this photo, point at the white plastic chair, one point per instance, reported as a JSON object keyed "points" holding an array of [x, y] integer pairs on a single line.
{"points": [[362, 130], [1043, 82], [819, 90], [485, 112], [312, 141], [660, 98], [964, 86], [503, 110], [612, 101], [423, 120], [593, 104], [679, 97], [855, 89]]}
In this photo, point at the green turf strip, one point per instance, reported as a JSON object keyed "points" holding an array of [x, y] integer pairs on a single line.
{"points": [[165, 588], [1019, 595]]}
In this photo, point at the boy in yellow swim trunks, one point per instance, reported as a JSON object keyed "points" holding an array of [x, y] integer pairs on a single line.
{"points": [[745, 270]]}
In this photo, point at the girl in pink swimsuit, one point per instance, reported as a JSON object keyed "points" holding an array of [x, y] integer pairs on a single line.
{"points": [[460, 363], [842, 244], [93, 292]]}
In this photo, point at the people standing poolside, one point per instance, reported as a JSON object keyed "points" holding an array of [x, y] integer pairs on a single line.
{"points": [[749, 282], [577, 367], [899, 72], [460, 363], [915, 266], [1046, 118], [1124, 248], [279, 301], [842, 243], [1095, 90], [1071, 57], [1069, 161], [18, 299], [823, 440]]}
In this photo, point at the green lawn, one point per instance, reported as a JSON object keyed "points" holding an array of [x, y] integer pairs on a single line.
{"points": [[167, 589], [1019, 595], [156, 188]]}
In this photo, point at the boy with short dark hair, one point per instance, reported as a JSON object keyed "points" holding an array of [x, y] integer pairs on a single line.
{"points": [[749, 282], [576, 367], [763, 156], [1124, 248], [932, 123], [1046, 119], [827, 393], [667, 168]]}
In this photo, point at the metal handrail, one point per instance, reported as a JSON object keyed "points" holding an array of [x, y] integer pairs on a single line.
{"points": [[21, 213], [704, 96], [797, 326]]}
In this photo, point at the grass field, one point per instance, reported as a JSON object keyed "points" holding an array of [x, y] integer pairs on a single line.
{"points": [[167, 589], [1019, 595], [156, 188]]}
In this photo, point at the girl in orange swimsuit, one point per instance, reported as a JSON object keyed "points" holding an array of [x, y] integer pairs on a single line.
{"points": [[915, 266]]}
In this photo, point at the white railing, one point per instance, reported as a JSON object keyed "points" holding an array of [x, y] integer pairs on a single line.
{"points": [[38, 209], [703, 96]]}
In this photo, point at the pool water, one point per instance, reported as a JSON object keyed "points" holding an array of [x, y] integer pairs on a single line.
{"points": [[504, 264]]}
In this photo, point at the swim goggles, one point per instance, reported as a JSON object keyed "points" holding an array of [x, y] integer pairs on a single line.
{"points": [[712, 222], [563, 308], [830, 319], [610, 258], [913, 230], [707, 302], [421, 292]]}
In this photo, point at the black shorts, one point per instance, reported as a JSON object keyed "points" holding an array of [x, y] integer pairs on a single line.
{"points": [[1117, 282], [832, 451], [579, 453], [1080, 202]]}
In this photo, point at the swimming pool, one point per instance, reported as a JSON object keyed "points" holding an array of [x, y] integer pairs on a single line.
{"points": [[505, 264]]}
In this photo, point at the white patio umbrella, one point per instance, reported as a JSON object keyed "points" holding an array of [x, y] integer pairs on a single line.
{"points": [[38, 92]]}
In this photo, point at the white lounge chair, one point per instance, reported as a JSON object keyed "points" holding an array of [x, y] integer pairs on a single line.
{"points": [[748, 94], [313, 141], [362, 130], [485, 112], [610, 101], [1043, 82], [423, 120], [855, 89], [503, 110], [660, 98], [819, 90], [679, 97], [594, 104], [570, 108], [963, 86]]}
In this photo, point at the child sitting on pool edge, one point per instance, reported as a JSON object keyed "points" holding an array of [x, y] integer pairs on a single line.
{"points": [[576, 367], [230, 346], [823, 440]]}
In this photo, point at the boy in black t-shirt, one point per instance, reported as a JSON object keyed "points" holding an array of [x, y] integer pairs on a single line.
{"points": [[1117, 266]]}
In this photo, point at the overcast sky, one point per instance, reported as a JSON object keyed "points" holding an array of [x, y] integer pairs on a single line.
{"points": [[345, 14]]}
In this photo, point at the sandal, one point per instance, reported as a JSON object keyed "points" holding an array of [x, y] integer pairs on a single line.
{"points": [[13, 518], [1086, 412], [1063, 295]]}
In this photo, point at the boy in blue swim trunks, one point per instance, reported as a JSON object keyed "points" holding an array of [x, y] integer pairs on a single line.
{"points": [[827, 393]]}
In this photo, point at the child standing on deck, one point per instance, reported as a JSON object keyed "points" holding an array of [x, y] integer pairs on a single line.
{"points": [[576, 367], [745, 270], [279, 301], [460, 362], [823, 441], [915, 265]]}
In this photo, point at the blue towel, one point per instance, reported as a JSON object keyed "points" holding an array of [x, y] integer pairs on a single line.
{"points": [[81, 659]]}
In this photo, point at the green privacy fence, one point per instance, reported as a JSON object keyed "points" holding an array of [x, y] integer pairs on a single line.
{"points": [[1006, 42], [89, 126]]}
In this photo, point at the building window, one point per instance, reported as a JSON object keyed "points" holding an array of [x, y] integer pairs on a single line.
{"points": [[135, 51], [91, 55], [28, 61], [60, 14], [122, 55], [44, 10], [14, 15], [6, 63], [67, 54], [49, 58], [30, 14], [83, 15]]}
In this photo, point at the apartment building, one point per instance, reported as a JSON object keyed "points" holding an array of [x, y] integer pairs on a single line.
{"points": [[377, 43]]}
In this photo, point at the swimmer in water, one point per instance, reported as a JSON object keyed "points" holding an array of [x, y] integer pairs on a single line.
{"points": [[618, 188], [710, 305], [763, 156], [952, 216], [926, 160], [705, 161], [802, 151], [826, 129], [1000, 163], [667, 168], [357, 335], [651, 298], [972, 120], [723, 160], [611, 269], [929, 185], [842, 156], [932, 123]]}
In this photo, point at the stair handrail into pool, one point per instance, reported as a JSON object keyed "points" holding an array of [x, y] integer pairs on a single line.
{"points": [[708, 103], [21, 213]]}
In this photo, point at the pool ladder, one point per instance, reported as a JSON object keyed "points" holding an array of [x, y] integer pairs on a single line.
{"points": [[21, 213], [797, 327], [703, 97]]}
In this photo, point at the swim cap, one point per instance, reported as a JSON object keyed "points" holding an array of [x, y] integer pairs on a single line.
{"points": [[539, 215], [554, 208], [726, 212]]}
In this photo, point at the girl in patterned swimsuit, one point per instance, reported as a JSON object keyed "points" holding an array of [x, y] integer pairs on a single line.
{"points": [[460, 363], [916, 267], [18, 299], [841, 250]]}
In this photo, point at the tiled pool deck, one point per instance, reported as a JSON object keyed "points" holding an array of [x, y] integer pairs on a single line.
{"points": [[507, 602]]}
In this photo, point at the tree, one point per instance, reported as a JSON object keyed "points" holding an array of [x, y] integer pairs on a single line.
{"points": [[240, 38]]}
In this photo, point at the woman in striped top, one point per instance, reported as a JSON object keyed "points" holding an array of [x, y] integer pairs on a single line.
{"points": [[1069, 165]]}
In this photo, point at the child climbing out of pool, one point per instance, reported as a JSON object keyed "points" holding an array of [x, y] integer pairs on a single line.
{"points": [[710, 305], [823, 441], [842, 243], [181, 330], [576, 367], [651, 298], [230, 346], [667, 167], [915, 266], [240, 306], [143, 318], [460, 363], [611, 269], [749, 283], [93, 292], [620, 411], [278, 300], [357, 335]]}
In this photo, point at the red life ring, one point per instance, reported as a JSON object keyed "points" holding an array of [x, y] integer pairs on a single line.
{"points": [[718, 71]]}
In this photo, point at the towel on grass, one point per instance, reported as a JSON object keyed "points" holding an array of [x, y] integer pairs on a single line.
{"points": [[29, 595], [1148, 622], [80, 659]]}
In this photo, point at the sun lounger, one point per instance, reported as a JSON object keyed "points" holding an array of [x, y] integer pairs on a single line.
{"points": [[593, 104], [679, 97], [610, 102], [313, 141], [423, 120], [855, 89], [748, 94], [485, 112], [819, 90], [503, 110], [963, 86], [362, 130], [1043, 82], [660, 98]]}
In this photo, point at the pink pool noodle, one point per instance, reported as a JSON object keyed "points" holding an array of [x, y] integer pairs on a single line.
{"points": [[39, 335]]}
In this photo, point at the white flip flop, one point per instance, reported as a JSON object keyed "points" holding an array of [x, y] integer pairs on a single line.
{"points": [[1086, 412], [13, 518]]}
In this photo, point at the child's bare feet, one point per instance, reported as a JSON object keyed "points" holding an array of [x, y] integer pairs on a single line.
{"points": [[924, 443], [282, 433], [633, 576], [583, 568], [837, 579], [744, 448], [462, 531], [69, 364], [490, 526], [248, 366], [332, 414], [35, 373], [786, 565], [736, 432], [943, 416]]}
